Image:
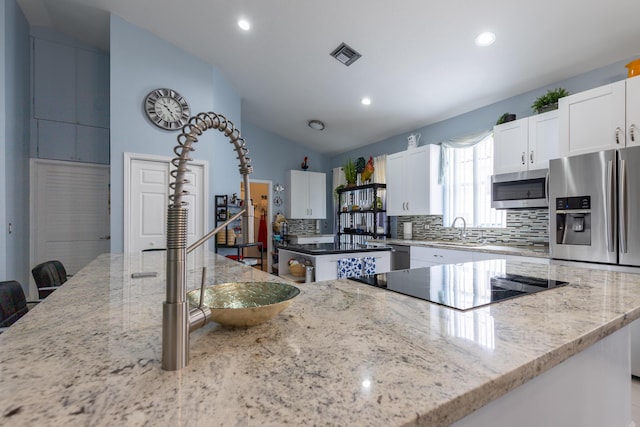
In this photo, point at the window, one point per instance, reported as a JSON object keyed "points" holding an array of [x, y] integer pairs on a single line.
{"points": [[467, 184]]}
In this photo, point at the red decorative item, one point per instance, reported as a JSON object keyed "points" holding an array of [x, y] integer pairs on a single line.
{"points": [[304, 164]]}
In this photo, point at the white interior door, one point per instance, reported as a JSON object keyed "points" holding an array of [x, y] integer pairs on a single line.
{"points": [[147, 183], [69, 212]]}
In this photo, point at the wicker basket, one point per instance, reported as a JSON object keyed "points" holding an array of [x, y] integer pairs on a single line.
{"points": [[298, 270]]}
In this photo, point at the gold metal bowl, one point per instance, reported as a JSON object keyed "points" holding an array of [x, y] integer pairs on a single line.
{"points": [[245, 303]]}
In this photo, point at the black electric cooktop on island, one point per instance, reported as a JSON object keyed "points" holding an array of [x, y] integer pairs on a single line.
{"points": [[460, 286]]}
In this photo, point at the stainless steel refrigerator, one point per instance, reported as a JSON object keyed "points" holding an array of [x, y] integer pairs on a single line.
{"points": [[594, 209], [593, 201]]}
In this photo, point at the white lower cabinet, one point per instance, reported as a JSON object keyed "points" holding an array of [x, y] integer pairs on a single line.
{"points": [[430, 256], [427, 257]]}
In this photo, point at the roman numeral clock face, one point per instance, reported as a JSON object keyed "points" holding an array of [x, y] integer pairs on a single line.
{"points": [[167, 109]]}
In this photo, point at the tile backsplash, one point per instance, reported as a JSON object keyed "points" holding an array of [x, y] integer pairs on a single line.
{"points": [[302, 226], [528, 227]]}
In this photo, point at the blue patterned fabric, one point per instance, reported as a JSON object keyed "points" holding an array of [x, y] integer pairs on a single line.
{"points": [[369, 265], [349, 267]]}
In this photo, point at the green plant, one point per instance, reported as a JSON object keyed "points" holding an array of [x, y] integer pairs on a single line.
{"points": [[506, 117], [350, 172], [549, 98]]}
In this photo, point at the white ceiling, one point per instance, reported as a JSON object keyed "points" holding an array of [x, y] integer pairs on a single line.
{"points": [[419, 63]]}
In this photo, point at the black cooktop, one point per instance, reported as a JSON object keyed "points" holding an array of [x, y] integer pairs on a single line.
{"points": [[460, 286]]}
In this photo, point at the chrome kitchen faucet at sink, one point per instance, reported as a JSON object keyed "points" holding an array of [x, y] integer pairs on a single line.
{"points": [[463, 232], [177, 320]]}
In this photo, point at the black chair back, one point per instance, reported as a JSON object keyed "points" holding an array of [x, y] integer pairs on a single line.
{"points": [[48, 274], [13, 304]]}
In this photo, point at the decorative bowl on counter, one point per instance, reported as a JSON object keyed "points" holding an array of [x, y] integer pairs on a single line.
{"points": [[245, 303]]}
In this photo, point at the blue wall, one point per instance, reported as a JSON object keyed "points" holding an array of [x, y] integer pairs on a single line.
{"points": [[485, 117], [14, 113], [141, 62], [272, 156]]}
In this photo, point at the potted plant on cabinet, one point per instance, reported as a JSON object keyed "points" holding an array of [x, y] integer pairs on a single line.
{"points": [[549, 101], [506, 117], [350, 173]]}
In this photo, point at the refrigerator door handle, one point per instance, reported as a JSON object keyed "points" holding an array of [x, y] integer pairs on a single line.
{"points": [[623, 206], [609, 208], [546, 186]]}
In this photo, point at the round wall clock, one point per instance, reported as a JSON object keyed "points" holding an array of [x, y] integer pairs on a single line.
{"points": [[167, 109]]}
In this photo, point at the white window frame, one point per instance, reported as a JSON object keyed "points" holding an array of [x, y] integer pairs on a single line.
{"points": [[476, 162]]}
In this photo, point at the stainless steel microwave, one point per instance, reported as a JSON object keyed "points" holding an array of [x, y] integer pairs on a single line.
{"points": [[520, 190]]}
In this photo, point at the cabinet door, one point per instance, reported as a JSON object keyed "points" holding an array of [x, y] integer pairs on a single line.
{"points": [[92, 144], [54, 81], [56, 140], [317, 195], [416, 181], [593, 120], [92, 88], [544, 137], [396, 184], [633, 112], [297, 193], [510, 149], [423, 192], [438, 256]]}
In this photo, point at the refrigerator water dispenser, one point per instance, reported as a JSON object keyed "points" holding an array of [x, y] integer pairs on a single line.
{"points": [[573, 220]]}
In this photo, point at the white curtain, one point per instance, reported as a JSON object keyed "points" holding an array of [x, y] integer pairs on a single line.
{"points": [[338, 179], [380, 169], [462, 142]]}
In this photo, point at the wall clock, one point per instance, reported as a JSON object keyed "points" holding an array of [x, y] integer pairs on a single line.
{"points": [[167, 109]]}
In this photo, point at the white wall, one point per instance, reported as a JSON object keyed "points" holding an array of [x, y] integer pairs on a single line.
{"points": [[141, 62]]}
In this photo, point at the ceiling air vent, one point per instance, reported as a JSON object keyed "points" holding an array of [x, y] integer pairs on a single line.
{"points": [[345, 54]]}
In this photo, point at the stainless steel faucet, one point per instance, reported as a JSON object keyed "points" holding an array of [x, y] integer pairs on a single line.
{"points": [[177, 320], [463, 232]]}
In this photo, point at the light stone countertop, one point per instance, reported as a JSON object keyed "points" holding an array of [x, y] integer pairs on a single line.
{"points": [[343, 353], [518, 250]]}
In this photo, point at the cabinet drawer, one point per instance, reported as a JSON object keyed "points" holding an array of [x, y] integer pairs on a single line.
{"points": [[438, 256]]}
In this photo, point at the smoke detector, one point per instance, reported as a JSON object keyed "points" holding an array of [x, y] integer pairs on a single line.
{"points": [[345, 54]]}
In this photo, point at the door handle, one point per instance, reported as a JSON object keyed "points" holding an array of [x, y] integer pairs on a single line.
{"points": [[522, 158], [608, 212], [617, 135], [105, 238], [632, 133], [531, 156], [623, 206]]}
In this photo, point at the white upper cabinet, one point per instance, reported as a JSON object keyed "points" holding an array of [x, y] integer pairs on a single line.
{"points": [[544, 139], [526, 144], [306, 195], [593, 120], [412, 182], [633, 112]]}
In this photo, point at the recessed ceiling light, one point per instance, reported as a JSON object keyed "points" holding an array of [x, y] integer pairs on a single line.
{"points": [[244, 24], [366, 101], [316, 124], [485, 39]]}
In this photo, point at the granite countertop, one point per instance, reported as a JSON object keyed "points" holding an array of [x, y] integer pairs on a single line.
{"points": [[343, 353], [331, 248], [541, 251]]}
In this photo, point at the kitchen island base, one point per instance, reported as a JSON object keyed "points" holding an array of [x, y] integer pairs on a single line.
{"points": [[326, 266], [590, 389]]}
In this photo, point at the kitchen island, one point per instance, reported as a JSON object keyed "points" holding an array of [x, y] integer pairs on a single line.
{"points": [[343, 353], [324, 257]]}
